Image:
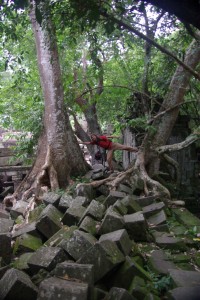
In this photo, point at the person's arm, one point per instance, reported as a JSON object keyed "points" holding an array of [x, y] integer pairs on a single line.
{"points": [[85, 143], [112, 137]]}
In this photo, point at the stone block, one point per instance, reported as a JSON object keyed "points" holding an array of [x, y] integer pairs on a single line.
{"points": [[18, 209], [136, 226], [112, 221], [46, 258], [120, 208], [51, 198], [123, 277], [21, 262], [81, 200], [184, 293], [16, 285], [181, 278], [95, 210], [103, 190], [5, 247], [89, 225], [131, 204], [29, 228], [145, 201], [151, 209], [86, 191], [126, 189], [55, 288], [49, 221], [71, 270], [105, 256], [26, 243], [113, 197], [120, 238], [4, 214], [35, 213], [73, 215], [116, 293], [78, 243], [6, 225], [168, 241], [160, 263], [65, 202], [63, 234], [159, 218]]}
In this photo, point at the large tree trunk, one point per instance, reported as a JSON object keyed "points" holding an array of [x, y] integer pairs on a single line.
{"points": [[171, 105], [59, 154]]}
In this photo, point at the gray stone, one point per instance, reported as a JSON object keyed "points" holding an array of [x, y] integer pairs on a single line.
{"points": [[113, 197], [49, 221], [6, 225], [65, 202], [160, 263], [63, 234], [81, 200], [136, 226], [21, 262], [145, 201], [89, 225], [86, 191], [124, 188], [29, 228], [168, 241], [95, 210], [120, 208], [71, 270], [78, 243], [27, 243], [151, 209], [18, 208], [46, 258], [51, 198], [4, 214], [103, 189], [16, 285], [121, 238], [184, 293], [57, 289], [5, 247], [131, 204], [123, 277], [112, 221], [73, 215], [3, 270], [98, 175], [156, 219], [116, 293], [181, 278], [104, 256], [35, 213]]}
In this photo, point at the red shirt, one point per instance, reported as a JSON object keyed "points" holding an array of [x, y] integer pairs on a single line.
{"points": [[104, 142]]}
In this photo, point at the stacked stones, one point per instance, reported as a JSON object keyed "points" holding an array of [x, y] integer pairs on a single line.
{"points": [[99, 245]]}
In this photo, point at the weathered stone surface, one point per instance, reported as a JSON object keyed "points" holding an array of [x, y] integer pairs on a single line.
{"points": [[145, 201], [4, 214], [51, 198], [65, 202], [3, 270], [35, 213], [184, 293], [186, 218], [136, 226], [127, 271], [139, 288], [158, 218], [78, 243], [6, 225], [113, 197], [185, 278], [103, 189], [89, 225], [49, 221], [86, 191], [5, 247], [29, 228], [55, 288], [168, 241], [121, 238], [116, 293], [16, 285], [81, 200], [151, 209], [160, 263], [126, 189], [112, 221], [21, 262], [18, 208], [120, 208], [98, 174], [131, 204], [70, 270], [73, 215], [46, 258], [27, 243], [63, 234], [104, 256], [95, 210]]}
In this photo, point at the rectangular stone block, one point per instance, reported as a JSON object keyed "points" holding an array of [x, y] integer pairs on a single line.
{"points": [[6, 225], [51, 198], [136, 226], [152, 209], [73, 215], [63, 234], [95, 210], [112, 221], [5, 247]]}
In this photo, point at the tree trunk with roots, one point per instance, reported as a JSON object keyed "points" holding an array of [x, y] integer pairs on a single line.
{"points": [[58, 154]]}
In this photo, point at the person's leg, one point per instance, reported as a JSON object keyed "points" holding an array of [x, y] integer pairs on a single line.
{"points": [[109, 159], [117, 146]]}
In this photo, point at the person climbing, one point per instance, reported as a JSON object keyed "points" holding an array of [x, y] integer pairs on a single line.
{"points": [[104, 142]]}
